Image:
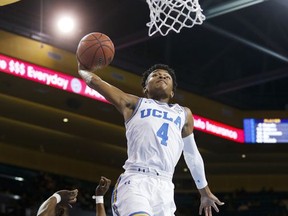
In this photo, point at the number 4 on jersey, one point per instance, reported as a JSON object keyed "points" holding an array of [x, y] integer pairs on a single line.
{"points": [[163, 133]]}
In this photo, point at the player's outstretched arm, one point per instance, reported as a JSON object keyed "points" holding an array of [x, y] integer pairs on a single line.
{"points": [[65, 197], [124, 102], [100, 191], [195, 164]]}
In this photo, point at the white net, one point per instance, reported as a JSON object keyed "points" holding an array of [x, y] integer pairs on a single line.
{"points": [[167, 15]]}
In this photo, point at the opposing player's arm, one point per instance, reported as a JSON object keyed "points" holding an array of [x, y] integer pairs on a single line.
{"points": [[65, 197], [48, 207], [124, 102], [100, 191]]}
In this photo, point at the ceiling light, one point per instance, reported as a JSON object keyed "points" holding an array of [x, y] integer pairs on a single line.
{"points": [[7, 176], [16, 197], [65, 120], [19, 178], [66, 24]]}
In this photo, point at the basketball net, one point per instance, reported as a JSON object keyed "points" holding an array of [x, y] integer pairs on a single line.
{"points": [[167, 15]]}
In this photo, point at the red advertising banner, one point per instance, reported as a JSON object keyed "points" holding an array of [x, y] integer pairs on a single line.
{"points": [[72, 84], [218, 129], [48, 77]]}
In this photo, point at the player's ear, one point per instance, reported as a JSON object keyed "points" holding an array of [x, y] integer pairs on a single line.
{"points": [[172, 94], [145, 90]]}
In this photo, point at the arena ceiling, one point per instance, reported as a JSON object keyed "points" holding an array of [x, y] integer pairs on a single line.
{"points": [[237, 57]]}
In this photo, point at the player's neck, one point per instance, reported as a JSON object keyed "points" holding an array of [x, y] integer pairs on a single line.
{"points": [[161, 99]]}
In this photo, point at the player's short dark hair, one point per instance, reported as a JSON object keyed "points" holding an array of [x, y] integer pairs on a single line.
{"points": [[163, 67]]}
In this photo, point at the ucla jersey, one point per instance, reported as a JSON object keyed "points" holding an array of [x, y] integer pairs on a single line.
{"points": [[154, 135]]}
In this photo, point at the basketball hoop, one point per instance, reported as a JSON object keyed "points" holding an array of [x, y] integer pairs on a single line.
{"points": [[167, 15]]}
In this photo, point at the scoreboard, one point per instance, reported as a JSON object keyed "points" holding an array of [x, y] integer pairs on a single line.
{"points": [[268, 130]]}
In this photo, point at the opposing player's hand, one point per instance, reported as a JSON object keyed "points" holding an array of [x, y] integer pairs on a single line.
{"points": [[103, 186], [68, 196], [208, 202]]}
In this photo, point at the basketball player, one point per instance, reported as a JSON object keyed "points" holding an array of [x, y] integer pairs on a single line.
{"points": [[59, 203], [100, 191], [56, 205], [157, 133]]}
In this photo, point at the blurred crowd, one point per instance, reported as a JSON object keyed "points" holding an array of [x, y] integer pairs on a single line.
{"points": [[23, 197], [240, 203]]}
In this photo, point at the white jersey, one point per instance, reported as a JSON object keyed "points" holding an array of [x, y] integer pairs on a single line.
{"points": [[154, 135]]}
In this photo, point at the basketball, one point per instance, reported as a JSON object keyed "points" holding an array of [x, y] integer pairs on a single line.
{"points": [[95, 51]]}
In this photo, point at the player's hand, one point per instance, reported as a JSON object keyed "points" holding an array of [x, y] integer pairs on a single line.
{"points": [[103, 186], [68, 196], [85, 75], [82, 68], [208, 202]]}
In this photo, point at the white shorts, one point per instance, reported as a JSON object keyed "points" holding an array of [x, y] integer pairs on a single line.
{"points": [[142, 193]]}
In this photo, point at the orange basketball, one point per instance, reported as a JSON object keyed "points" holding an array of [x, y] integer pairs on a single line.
{"points": [[95, 51]]}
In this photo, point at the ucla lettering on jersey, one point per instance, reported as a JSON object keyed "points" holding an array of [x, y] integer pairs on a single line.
{"points": [[160, 114], [154, 135]]}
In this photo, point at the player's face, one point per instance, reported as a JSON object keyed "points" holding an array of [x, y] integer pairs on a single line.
{"points": [[159, 83]]}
